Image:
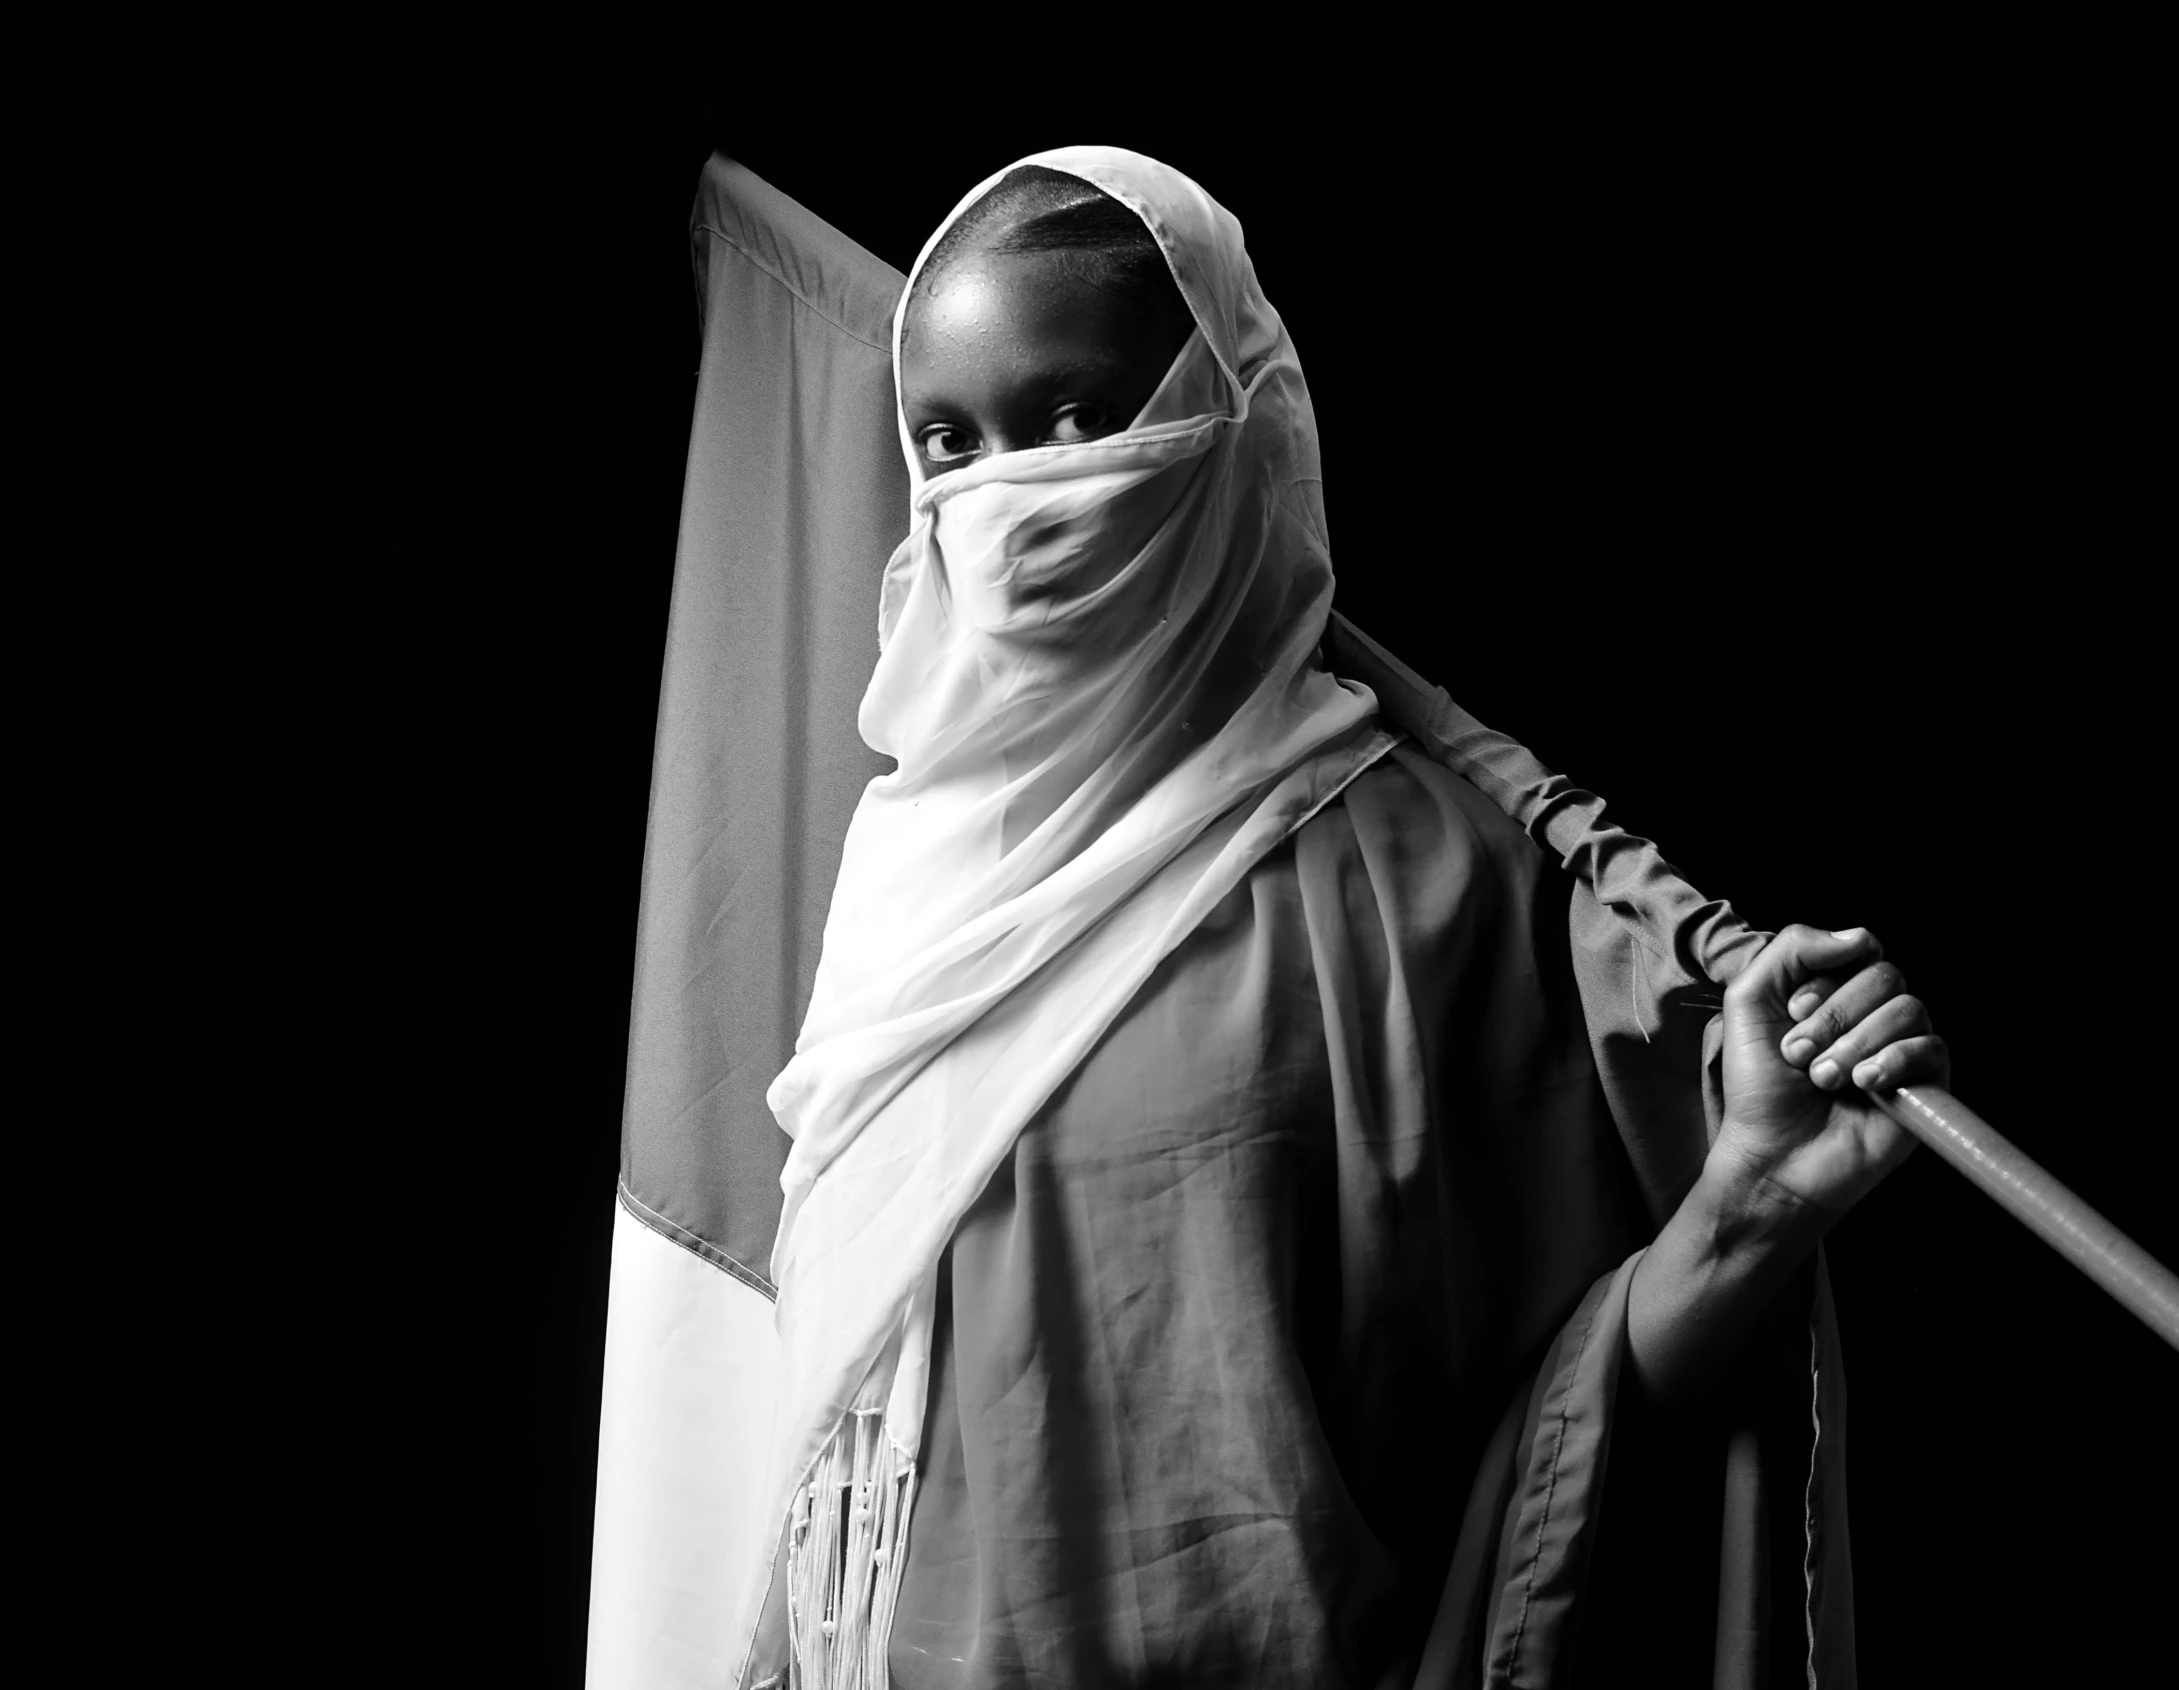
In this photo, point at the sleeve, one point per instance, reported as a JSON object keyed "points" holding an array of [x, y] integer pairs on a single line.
{"points": [[794, 497], [1715, 1552], [1600, 1549]]}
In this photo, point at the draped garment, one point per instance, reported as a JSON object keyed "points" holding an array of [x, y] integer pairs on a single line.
{"points": [[1223, 1348]]}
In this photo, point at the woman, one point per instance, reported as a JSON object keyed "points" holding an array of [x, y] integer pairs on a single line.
{"points": [[1195, 1140]]}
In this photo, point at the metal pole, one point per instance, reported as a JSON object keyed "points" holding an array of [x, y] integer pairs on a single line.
{"points": [[2021, 1184]]}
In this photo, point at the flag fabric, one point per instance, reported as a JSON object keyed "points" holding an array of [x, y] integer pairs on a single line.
{"points": [[795, 488], [1730, 1538]]}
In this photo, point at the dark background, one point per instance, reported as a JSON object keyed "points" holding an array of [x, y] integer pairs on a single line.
{"points": [[1761, 432]]}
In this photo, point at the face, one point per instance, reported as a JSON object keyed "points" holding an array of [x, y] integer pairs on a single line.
{"points": [[1004, 351]]}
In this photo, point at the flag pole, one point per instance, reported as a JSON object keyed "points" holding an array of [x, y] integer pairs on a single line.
{"points": [[2020, 1184]]}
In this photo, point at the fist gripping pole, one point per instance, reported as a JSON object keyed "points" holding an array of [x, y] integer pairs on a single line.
{"points": [[2021, 1184]]}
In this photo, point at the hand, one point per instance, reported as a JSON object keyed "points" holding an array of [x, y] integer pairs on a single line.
{"points": [[1815, 1022]]}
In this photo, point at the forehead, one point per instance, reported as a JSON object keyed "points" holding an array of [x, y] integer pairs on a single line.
{"points": [[987, 290], [986, 307], [984, 292]]}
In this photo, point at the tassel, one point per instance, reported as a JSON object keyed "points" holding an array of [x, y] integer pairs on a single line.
{"points": [[845, 1558]]}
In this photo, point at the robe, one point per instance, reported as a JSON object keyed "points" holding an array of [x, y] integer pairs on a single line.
{"points": [[1289, 1345]]}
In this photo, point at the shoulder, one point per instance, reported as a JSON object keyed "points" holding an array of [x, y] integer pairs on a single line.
{"points": [[1405, 805], [1430, 852]]}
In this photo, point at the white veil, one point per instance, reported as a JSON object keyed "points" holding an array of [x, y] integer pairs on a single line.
{"points": [[1099, 676]]}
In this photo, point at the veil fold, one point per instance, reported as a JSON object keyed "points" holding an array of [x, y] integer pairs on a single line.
{"points": [[1099, 677]]}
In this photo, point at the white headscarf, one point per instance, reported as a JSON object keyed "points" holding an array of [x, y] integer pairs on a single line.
{"points": [[1098, 674]]}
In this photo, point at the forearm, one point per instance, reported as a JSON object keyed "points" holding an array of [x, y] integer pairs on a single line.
{"points": [[1801, 1143], [1702, 1284]]}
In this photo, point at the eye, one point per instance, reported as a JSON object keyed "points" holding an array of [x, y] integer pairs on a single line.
{"points": [[1082, 422], [947, 443]]}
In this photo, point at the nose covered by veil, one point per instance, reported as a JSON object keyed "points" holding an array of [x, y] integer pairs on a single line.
{"points": [[1098, 676]]}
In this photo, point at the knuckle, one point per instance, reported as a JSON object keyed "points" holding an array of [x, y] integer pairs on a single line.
{"points": [[1887, 979], [1911, 1007]]}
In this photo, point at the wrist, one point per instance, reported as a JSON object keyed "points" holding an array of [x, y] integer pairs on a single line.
{"points": [[1707, 1276], [1742, 1207]]}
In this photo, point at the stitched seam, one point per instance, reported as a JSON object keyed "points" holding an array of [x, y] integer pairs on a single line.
{"points": [[1528, 1591], [675, 1233], [796, 292], [1808, 1496]]}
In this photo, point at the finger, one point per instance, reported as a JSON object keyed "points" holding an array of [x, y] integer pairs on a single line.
{"points": [[1858, 998], [1902, 1017], [1922, 1060], [1792, 959], [1810, 997]]}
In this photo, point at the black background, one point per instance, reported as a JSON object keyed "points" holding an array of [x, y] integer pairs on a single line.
{"points": [[1761, 431]]}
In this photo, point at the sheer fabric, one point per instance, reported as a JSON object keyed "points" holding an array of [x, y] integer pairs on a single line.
{"points": [[1099, 675]]}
